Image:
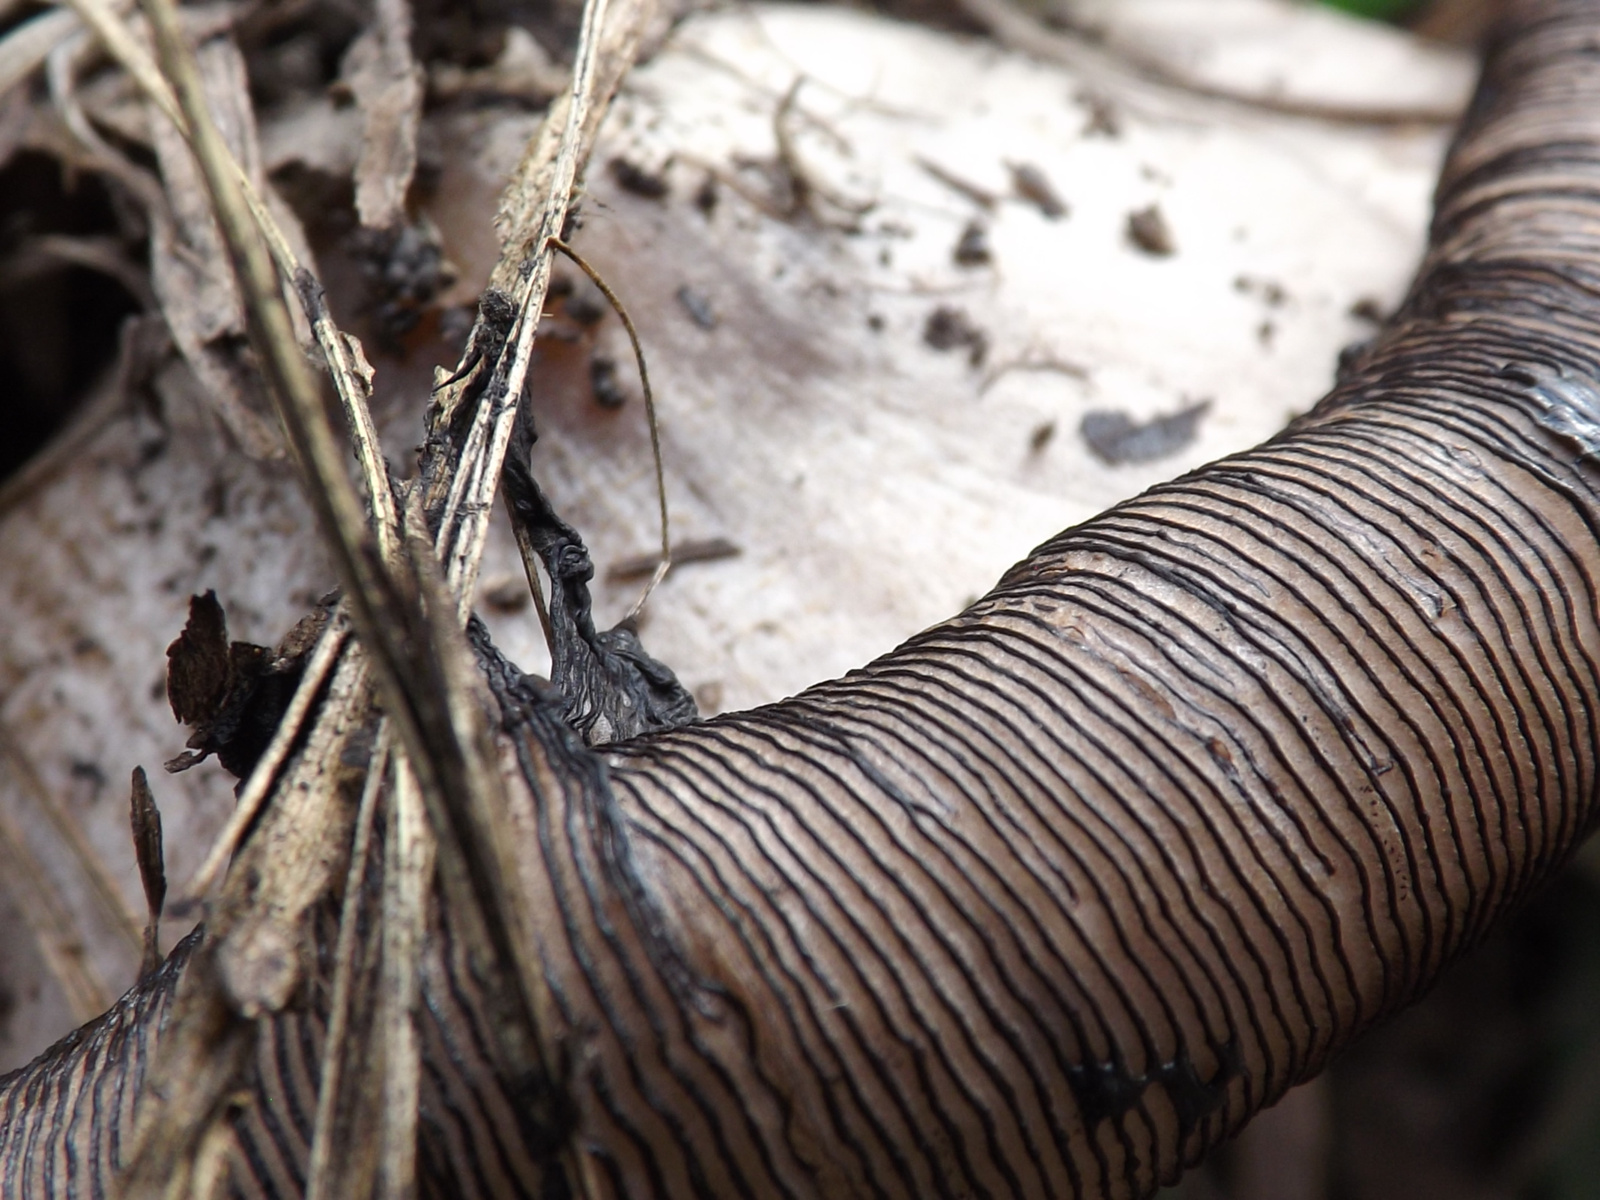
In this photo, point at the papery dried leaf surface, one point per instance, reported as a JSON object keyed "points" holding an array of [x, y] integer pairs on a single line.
{"points": [[870, 483]]}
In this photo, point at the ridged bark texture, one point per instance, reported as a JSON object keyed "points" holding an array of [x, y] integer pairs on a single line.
{"points": [[1056, 895]]}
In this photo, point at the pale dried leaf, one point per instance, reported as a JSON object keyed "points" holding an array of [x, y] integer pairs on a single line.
{"points": [[314, 133], [524, 71], [1283, 51], [53, 930], [815, 429], [872, 483], [190, 268], [387, 85]]}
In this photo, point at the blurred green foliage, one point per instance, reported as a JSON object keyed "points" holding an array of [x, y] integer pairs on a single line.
{"points": [[1381, 9]]}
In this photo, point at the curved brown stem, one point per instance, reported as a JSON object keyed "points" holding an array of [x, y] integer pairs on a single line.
{"points": [[1059, 893]]}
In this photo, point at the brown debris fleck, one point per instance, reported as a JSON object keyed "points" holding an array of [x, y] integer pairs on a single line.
{"points": [[1102, 117], [1033, 185], [950, 328], [1368, 309], [1148, 230], [972, 248], [697, 306], [632, 177], [708, 194], [603, 381], [1272, 293]]}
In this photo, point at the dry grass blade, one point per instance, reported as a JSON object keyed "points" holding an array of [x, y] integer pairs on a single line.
{"points": [[352, 379], [408, 866], [534, 210], [469, 811]]}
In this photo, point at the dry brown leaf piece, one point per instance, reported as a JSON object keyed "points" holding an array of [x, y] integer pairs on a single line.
{"points": [[199, 668], [145, 818], [1148, 230], [234, 695]]}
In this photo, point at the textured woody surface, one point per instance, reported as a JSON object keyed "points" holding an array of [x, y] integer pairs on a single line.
{"points": [[1058, 893], [1053, 896], [873, 483]]}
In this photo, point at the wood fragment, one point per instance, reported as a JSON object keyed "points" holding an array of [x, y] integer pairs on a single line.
{"points": [[532, 211], [387, 85]]}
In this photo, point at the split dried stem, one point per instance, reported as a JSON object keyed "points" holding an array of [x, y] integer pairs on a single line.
{"points": [[342, 1054]]}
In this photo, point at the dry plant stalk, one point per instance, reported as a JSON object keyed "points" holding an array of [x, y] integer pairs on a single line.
{"points": [[433, 775]]}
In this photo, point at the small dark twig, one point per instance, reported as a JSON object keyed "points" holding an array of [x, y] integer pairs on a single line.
{"points": [[982, 197]]}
